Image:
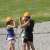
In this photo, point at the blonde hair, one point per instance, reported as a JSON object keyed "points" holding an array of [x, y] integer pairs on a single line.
{"points": [[8, 20], [26, 14]]}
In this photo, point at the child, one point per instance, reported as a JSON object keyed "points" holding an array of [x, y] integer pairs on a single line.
{"points": [[10, 23], [27, 23]]}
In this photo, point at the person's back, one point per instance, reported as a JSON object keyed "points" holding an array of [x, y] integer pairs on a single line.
{"points": [[28, 25], [29, 28]]}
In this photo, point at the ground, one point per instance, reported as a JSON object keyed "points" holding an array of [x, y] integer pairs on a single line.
{"points": [[41, 37], [40, 11]]}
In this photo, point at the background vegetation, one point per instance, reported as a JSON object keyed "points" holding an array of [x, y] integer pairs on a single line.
{"points": [[39, 9]]}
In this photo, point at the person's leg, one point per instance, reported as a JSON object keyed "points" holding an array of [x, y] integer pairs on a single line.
{"points": [[32, 46], [28, 45], [23, 44], [9, 45], [12, 47], [12, 44], [9, 48], [31, 42]]}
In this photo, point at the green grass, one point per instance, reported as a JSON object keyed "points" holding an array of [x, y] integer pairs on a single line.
{"points": [[39, 9], [41, 19]]}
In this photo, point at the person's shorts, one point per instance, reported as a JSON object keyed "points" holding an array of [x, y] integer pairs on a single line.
{"points": [[28, 38], [11, 40]]}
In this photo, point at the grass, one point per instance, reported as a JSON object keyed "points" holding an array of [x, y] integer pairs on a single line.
{"points": [[40, 9], [41, 19]]}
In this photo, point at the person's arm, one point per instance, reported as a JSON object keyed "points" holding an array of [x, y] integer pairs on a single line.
{"points": [[25, 24], [14, 23], [10, 26]]}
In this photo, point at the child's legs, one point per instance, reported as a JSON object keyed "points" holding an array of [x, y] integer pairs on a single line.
{"points": [[28, 45], [23, 44], [32, 46], [11, 45]]}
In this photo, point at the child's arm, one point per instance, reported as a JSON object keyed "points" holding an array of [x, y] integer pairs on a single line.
{"points": [[10, 26], [14, 23], [25, 24]]}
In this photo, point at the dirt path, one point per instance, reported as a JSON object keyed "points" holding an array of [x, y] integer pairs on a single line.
{"points": [[41, 37]]}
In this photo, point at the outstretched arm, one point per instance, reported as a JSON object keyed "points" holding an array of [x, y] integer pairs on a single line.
{"points": [[25, 24]]}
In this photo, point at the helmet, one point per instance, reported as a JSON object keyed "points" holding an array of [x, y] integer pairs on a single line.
{"points": [[8, 19], [26, 14]]}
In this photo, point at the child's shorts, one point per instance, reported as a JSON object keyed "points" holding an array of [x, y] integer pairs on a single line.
{"points": [[11, 40], [27, 38]]}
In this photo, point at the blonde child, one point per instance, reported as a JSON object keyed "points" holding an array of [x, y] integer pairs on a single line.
{"points": [[27, 23], [10, 23]]}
